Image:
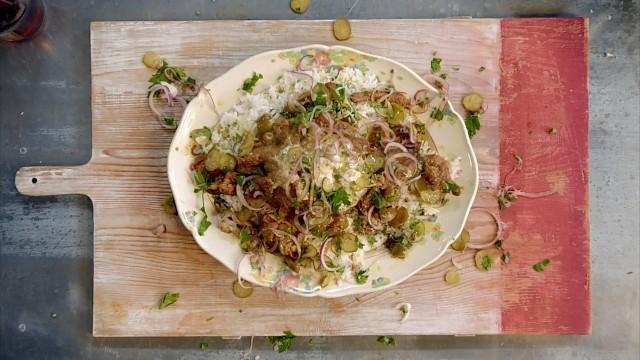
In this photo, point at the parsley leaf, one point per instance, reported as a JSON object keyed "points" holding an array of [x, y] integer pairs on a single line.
{"points": [[437, 114], [486, 262], [472, 122], [168, 299], [539, 266], [443, 76], [177, 71], [307, 163], [386, 340], [499, 243], [378, 200], [244, 235], [282, 343], [239, 180], [361, 276], [204, 225], [203, 346], [450, 186], [482, 68], [250, 83], [501, 204], [322, 234], [505, 257], [202, 180], [338, 198], [435, 63]]}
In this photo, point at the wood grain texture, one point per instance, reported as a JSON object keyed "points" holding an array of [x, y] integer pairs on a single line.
{"points": [[126, 179], [543, 86]]}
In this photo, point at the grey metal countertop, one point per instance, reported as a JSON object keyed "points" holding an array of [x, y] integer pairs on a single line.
{"points": [[46, 243]]}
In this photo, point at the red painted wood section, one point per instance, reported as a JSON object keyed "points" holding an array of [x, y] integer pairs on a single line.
{"points": [[544, 84]]}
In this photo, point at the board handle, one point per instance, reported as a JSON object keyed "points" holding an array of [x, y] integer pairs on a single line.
{"points": [[53, 180]]}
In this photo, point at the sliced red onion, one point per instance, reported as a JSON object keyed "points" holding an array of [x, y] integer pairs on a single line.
{"points": [[240, 194], [390, 173], [499, 231], [299, 63], [370, 219], [238, 277], [290, 236], [323, 250], [395, 145]]}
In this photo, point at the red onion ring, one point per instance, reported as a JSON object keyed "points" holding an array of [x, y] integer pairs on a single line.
{"points": [[238, 277], [499, 231], [323, 249], [290, 236], [390, 174], [240, 194], [370, 219], [299, 63], [395, 145]]}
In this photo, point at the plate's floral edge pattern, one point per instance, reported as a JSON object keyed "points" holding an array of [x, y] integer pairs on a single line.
{"points": [[339, 57]]}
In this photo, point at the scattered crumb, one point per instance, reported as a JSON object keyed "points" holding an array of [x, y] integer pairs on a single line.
{"points": [[54, 315], [160, 229], [609, 55], [21, 113], [198, 12], [609, 17], [239, 310], [211, 318], [405, 309], [630, 272]]}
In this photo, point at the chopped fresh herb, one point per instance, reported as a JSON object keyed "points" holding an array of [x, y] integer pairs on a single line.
{"points": [[250, 83], [486, 262], [239, 180], [501, 204], [386, 340], [552, 131], [282, 343], [505, 257], [450, 186], [539, 266], [203, 346], [169, 206], [378, 200], [204, 225], [437, 114], [499, 243], [472, 122], [298, 119], [338, 198], [307, 163], [321, 233], [358, 223], [168, 299], [482, 68], [177, 73], [361, 276], [435, 63], [443, 76], [244, 235], [371, 239], [169, 121], [202, 180]]}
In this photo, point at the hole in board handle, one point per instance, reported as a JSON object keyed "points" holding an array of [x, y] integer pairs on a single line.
{"points": [[34, 180]]}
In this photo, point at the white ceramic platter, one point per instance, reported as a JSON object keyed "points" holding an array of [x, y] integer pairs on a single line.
{"points": [[450, 136]]}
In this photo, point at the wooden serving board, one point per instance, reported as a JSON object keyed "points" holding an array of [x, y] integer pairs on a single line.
{"points": [[535, 78]]}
